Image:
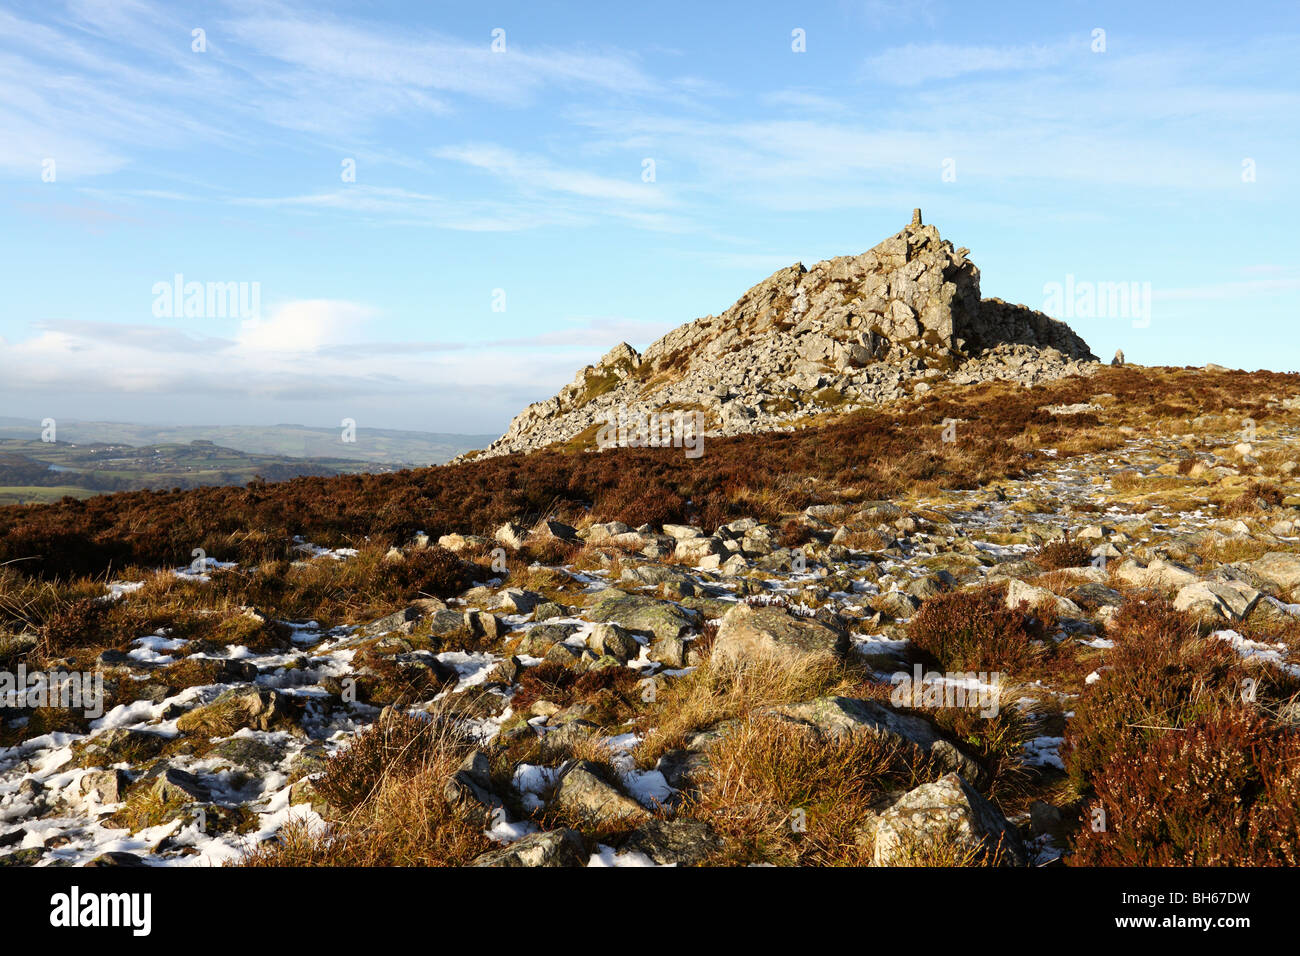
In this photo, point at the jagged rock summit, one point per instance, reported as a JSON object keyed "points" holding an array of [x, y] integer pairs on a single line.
{"points": [[849, 331]]}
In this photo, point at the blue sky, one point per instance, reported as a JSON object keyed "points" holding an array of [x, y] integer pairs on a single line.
{"points": [[1169, 158]]}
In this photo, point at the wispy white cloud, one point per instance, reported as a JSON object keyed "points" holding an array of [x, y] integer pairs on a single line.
{"points": [[302, 350], [396, 206], [918, 63], [348, 53], [530, 173], [68, 91]]}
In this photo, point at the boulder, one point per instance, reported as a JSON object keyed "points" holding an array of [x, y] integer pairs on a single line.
{"points": [[614, 640], [949, 809], [1019, 592], [897, 604], [121, 745], [172, 784], [249, 706], [1216, 601], [585, 794], [1279, 568], [1160, 574], [695, 550], [404, 621], [518, 601], [470, 788], [552, 848], [644, 615], [683, 842], [749, 632], [104, 786]]}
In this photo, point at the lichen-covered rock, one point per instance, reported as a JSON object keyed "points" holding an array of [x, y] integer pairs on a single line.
{"points": [[470, 788], [644, 615], [836, 716], [1280, 568], [748, 632], [552, 848], [585, 794], [615, 641], [950, 810], [684, 842]]}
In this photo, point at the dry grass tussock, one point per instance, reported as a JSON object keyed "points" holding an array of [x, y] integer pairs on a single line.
{"points": [[723, 690], [386, 793]]}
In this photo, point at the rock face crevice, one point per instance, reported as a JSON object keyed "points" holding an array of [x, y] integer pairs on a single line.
{"points": [[849, 331]]}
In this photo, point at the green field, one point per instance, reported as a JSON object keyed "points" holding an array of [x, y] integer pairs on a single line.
{"points": [[35, 494]]}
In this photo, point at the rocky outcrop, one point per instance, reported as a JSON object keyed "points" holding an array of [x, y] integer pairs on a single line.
{"points": [[849, 331]]}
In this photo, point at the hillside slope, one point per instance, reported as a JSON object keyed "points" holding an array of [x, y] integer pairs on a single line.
{"points": [[642, 658]]}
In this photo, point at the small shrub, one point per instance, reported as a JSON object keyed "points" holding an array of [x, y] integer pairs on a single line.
{"points": [[92, 623], [974, 630], [794, 534], [547, 681], [608, 689], [551, 551], [399, 816], [1063, 554], [434, 571], [637, 502], [1257, 496], [384, 679], [765, 769]]}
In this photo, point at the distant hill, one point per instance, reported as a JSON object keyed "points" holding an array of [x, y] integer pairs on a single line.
{"points": [[378, 445], [91, 458]]}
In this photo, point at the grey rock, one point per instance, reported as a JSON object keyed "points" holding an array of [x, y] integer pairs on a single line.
{"points": [[173, 784], [584, 793], [552, 848], [949, 809], [104, 786], [470, 788], [748, 632], [614, 640], [642, 614], [683, 842]]}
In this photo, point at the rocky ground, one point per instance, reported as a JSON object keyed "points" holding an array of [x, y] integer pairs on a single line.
{"points": [[200, 774]]}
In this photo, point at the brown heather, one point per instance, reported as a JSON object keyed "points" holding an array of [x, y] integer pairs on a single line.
{"points": [[974, 630], [1161, 742], [1222, 791], [1063, 554], [1159, 676]]}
